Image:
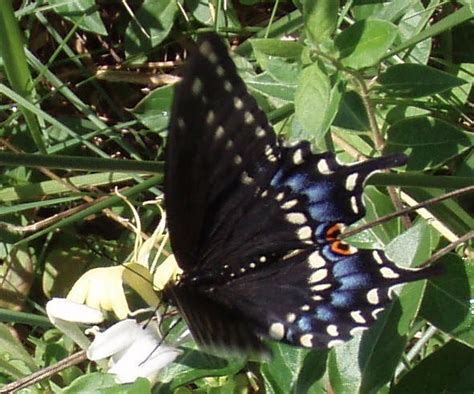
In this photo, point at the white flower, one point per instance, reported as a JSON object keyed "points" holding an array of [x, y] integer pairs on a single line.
{"points": [[65, 315], [135, 350]]}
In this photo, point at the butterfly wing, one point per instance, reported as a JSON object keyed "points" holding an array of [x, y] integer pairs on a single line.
{"points": [[219, 140], [254, 224]]}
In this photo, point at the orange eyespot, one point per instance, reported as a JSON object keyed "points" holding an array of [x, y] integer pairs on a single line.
{"points": [[342, 248], [333, 232]]}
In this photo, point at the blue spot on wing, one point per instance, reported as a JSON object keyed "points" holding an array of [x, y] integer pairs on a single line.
{"points": [[346, 266], [304, 323], [276, 180], [325, 313], [296, 182], [342, 299], [355, 281], [320, 191]]}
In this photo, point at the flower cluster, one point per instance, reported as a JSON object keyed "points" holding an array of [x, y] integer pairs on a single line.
{"points": [[133, 349]]}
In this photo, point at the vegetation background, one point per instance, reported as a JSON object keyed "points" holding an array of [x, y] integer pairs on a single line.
{"points": [[85, 93]]}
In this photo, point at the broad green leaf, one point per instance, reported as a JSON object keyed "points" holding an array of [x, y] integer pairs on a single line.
{"points": [[154, 109], [154, 20], [206, 11], [364, 43], [288, 371], [267, 86], [320, 18], [382, 346], [82, 12], [344, 368], [413, 22], [352, 114], [312, 100], [447, 370], [428, 142], [416, 80], [447, 302]]}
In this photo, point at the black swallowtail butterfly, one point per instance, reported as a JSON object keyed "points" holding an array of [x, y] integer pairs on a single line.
{"points": [[254, 224]]}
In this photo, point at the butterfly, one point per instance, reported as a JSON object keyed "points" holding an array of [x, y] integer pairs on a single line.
{"points": [[254, 224]]}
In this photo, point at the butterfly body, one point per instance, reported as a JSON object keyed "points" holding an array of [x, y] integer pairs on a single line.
{"points": [[254, 223]]}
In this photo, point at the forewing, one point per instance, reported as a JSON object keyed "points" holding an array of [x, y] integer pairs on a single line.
{"points": [[219, 145]]}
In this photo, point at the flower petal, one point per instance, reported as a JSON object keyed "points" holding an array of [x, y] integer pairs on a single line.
{"points": [[115, 339]]}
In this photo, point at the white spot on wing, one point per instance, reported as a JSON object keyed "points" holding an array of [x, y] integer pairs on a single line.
{"points": [[306, 340], [260, 132], [351, 181], [277, 331], [389, 273], [323, 167], [205, 48], [305, 308], [262, 259], [317, 298], [298, 157], [246, 179], [321, 287], [332, 330], [181, 123], [227, 86], [318, 276], [377, 257], [357, 317], [354, 206], [219, 133], [238, 103], [229, 145], [210, 117], [316, 261], [290, 317], [376, 311], [373, 296], [290, 204], [196, 87], [304, 233], [220, 71], [212, 57], [248, 117], [237, 160], [296, 218]]}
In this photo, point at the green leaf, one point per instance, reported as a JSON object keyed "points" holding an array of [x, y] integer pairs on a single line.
{"points": [[416, 80], [154, 20], [446, 303], [448, 370], [267, 86], [320, 18], [15, 361], [344, 367], [312, 100], [154, 109], [428, 142], [105, 384], [382, 346], [364, 43], [292, 370], [352, 113], [82, 12]]}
